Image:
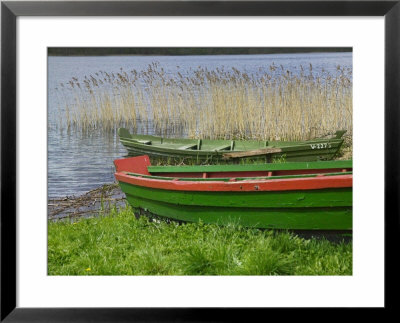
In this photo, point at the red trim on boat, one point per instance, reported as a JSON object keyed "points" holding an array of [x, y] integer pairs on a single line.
{"points": [[290, 184], [139, 165], [133, 164]]}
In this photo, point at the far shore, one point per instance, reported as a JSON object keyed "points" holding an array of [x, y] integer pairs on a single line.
{"points": [[183, 51]]}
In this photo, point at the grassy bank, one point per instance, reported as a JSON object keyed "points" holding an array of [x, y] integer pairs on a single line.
{"points": [[120, 244]]}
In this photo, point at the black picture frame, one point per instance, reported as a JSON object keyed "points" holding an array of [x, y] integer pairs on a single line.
{"points": [[10, 10]]}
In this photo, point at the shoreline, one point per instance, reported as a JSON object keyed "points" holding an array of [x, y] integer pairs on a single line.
{"points": [[91, 203], [108, 197]]}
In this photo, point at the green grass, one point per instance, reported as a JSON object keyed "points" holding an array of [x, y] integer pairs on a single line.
{"points": [[120, 244]]}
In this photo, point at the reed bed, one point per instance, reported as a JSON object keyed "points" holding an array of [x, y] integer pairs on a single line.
{"points": [[273, 104]]}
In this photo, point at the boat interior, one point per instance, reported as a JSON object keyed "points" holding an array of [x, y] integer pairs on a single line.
{"points": [[140, 166]]}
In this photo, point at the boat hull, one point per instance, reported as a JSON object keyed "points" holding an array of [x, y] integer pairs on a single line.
{"points": [[327, 209]]}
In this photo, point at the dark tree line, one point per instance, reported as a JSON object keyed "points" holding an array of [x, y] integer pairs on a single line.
{"points": [[111, 51]]}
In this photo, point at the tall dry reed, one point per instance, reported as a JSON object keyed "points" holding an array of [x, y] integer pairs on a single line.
{"points": [[220, 103]]}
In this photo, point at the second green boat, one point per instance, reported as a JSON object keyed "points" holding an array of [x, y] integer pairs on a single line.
{"points": [[230, 150]]}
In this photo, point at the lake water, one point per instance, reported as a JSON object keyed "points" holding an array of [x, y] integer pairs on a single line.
{"points": [[78, 162]]}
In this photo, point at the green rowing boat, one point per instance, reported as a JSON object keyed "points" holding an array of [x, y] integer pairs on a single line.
{"points": [[202, 149], [298, 196]]}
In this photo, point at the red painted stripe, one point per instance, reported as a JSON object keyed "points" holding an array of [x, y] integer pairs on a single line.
{"points": [[309, 183], [133, 164]]}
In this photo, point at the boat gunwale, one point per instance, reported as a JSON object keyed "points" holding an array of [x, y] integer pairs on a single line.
{"points": [[219, 179], [260, 185], [163, 139]]}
